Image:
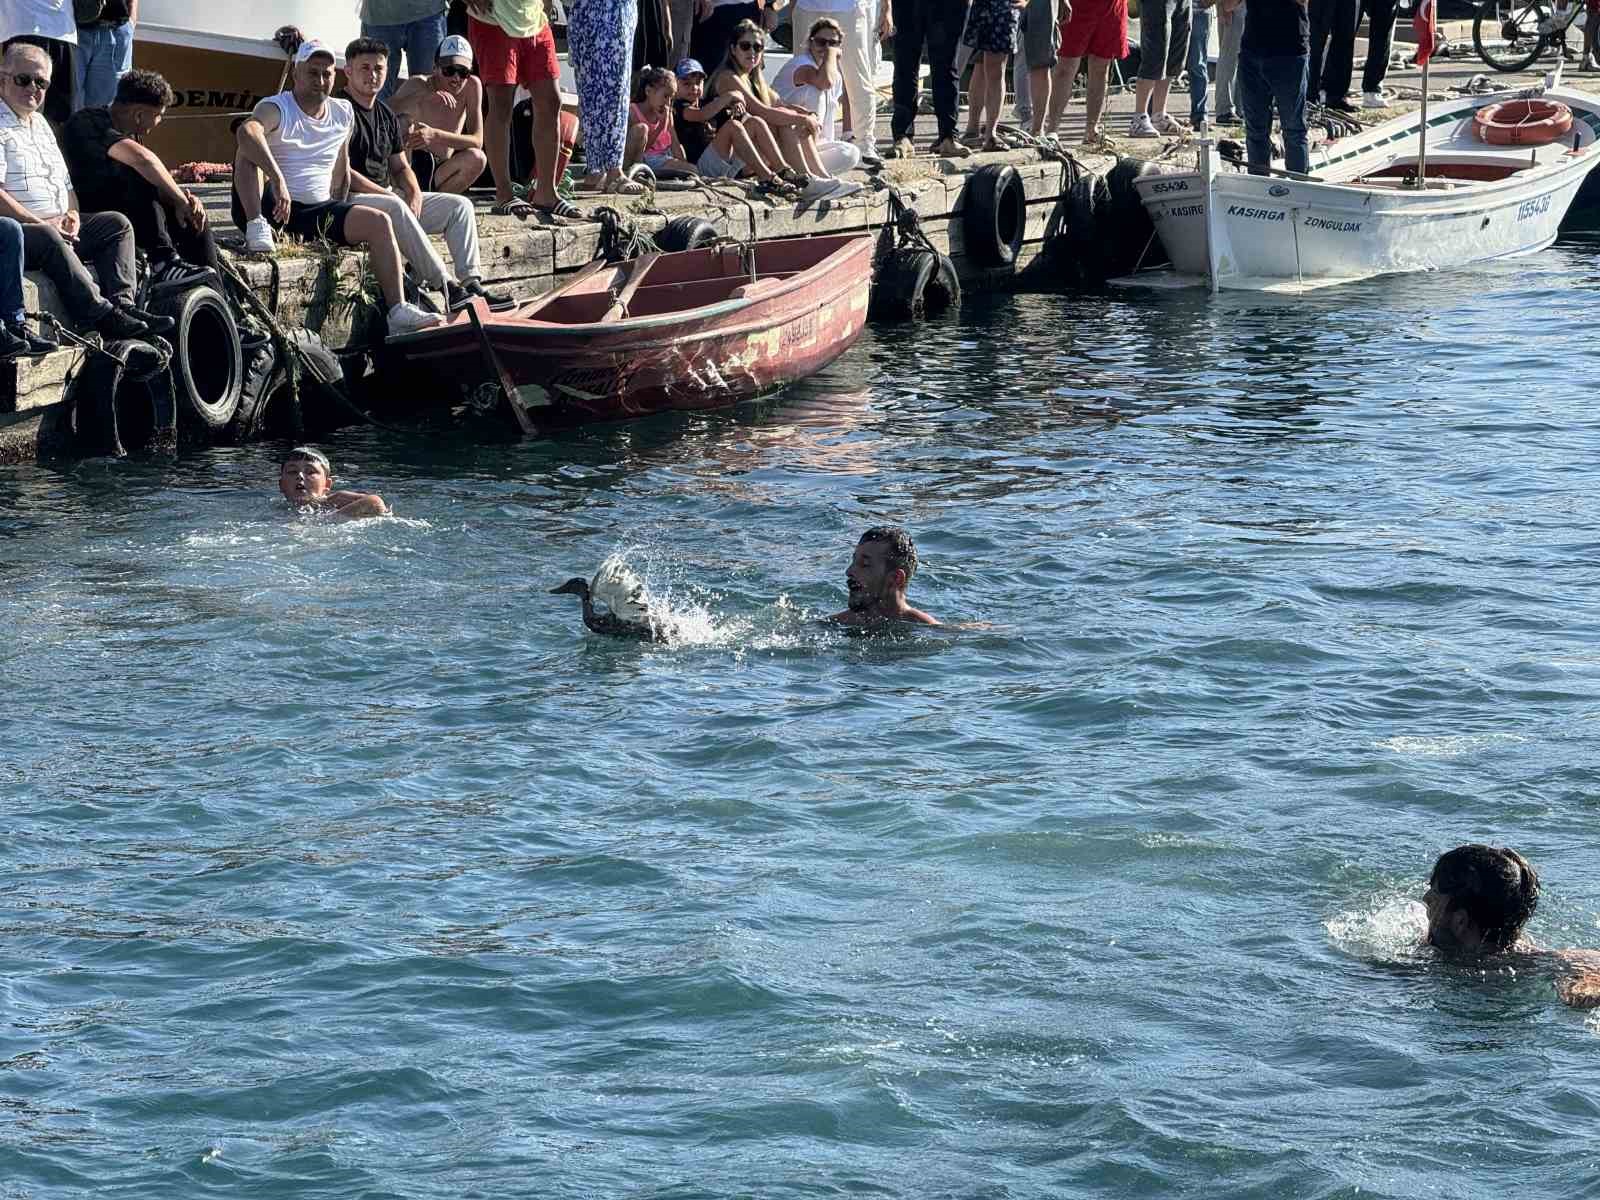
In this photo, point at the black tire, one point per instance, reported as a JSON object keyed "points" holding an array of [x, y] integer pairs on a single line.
{"points": [[686, 233], [267, 408], [1506, 34], [113, 413], [911, 283], [994, 215], [207, 363]]}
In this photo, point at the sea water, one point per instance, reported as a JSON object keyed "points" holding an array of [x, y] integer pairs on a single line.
{"points": [[341, 861]]}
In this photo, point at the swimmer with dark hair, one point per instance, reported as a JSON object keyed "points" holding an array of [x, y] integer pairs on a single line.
{"points": [[306, 481], [879, 573], [1479, 898]]}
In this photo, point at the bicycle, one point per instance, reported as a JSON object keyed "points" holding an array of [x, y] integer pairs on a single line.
{"points": [[1525, 29]]}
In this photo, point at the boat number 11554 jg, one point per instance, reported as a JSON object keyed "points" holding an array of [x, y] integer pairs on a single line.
{"points": [[1533, 208]]}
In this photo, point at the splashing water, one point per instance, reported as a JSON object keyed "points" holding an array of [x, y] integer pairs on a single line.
{"points": [[1391, 930]]}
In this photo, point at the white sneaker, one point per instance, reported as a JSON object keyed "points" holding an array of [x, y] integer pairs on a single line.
{"points": [[843, 188], [1378, 99], [258, 236], [1141, 126], [820, 187], [1168, 124], [406, 317]]}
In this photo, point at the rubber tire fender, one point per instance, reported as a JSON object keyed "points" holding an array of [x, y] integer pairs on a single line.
{"points": [[107, 407], [994, 215], [912, 282], [261, 375], [207, 362], [686, 233]]}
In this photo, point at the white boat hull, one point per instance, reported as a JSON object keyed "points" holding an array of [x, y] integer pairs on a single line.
{"points": [[1359, 218]]}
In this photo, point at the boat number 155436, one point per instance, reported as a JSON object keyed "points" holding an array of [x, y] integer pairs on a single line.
{"points": [[1533, 208]]}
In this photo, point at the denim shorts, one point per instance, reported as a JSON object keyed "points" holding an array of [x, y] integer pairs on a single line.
{"points": [[713, 166]]}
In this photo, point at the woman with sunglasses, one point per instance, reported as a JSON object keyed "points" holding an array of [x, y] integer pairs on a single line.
{"points": [[600, 45], [813, 80], [792, 129]]}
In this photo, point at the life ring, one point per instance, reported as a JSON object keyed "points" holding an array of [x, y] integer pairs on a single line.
{"points": [[1522, 123], [207, 364], [913, 282], [994, 215]]}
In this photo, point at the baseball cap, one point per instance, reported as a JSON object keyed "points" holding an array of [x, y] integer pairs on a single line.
{"points": [[455, 46], [688, 67], [309, 49]]}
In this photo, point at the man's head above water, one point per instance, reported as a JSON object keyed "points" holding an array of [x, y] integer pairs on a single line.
{"points": [[883, 564], [1479, 898], [306, 481]]}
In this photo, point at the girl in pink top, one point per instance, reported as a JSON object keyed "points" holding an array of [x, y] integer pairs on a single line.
{"points": [[651, 135]]}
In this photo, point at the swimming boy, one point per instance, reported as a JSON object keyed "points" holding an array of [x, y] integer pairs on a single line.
{"points": [[879, 573], [1479, 898], [306, 481]]}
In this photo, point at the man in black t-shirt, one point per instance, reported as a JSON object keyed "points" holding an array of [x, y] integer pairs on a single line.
{"points": [[381, 177], [1273, 57], [113, 172]]}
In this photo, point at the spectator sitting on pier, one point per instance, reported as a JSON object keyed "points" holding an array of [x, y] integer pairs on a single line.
{"points": [[1098, 30], [300, 141], [381, 178], [878, 575], [113, 172], [652, 135], [794, 128], [731, 151], [306, 481], [515, 46], [36, 192], [15, 339], [813, 79], [445, 110]]}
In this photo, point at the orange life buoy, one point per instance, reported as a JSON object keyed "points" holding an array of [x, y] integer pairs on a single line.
{"points": [[1522, 123]]}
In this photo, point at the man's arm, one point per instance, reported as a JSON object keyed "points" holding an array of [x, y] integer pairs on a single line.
{"points": [[131, 154], [405, 182], [353, 506], [253, 148], [1579, 985], [344, 174]]}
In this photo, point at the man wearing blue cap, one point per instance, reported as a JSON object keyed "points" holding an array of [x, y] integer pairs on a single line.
{"points": [[445, 111]]}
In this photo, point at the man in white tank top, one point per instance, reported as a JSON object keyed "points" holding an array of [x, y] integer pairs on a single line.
{"points": [[299, 140]]}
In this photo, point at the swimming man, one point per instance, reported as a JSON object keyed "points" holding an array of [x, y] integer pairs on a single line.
{"points": [[1479, 898], [306, 481], [884, 562]]}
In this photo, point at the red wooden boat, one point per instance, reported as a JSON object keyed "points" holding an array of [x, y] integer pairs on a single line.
{"points": [[690, 330]]}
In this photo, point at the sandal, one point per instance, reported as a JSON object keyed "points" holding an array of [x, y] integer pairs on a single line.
{"points": [[793, 178], [625, 187], [562, 209], [777, 189], [520, 209]]}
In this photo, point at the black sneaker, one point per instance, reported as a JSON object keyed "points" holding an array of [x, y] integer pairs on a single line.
{"points": [[119, 324], [38, 344], [153, 322], [473, 286], [175, 273], [1341, 105], [11, 346]]}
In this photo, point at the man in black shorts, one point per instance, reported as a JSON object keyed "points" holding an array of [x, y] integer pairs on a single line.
{"points": [[299, 140]]}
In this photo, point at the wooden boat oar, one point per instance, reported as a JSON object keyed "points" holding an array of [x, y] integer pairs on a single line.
{"points": [[501, 377], [641, 268], [583, 273]]}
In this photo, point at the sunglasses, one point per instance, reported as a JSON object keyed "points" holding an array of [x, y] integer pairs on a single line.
{"points": [[752, 47], [455, 72], [38, 81], [830, 42]]}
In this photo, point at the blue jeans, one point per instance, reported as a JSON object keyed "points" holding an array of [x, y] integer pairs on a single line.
{"points": [[1199, 39], [418, 39], [104, 53], [1264, 80], [11, 309]]}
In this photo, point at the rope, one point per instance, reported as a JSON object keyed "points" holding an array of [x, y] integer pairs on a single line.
{"points": [[93, 345], [907, 224], [288, 353]]}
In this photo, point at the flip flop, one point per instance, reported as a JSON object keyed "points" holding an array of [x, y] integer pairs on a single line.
{"points": [[564, 210], [520, 209]]}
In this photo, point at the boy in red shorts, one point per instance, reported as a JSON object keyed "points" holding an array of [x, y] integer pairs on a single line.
{"points": [[514, 45], [1097, 29]]}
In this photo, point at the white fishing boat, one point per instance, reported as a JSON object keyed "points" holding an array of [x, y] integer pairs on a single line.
{"points": [[1493, 178]]}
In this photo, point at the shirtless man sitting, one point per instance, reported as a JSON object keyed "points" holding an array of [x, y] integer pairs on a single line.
{"points": [[1479, 898], [884, 562], [445, 109], [306, 481]]}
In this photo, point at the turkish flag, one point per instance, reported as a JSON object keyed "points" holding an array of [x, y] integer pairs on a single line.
{"points": [[1422, 21]]}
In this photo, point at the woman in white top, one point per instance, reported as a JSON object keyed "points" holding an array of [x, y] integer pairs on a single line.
{"points": [[812, 80]]}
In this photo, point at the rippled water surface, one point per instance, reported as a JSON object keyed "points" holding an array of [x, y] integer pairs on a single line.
{"points": [[341, 861]]}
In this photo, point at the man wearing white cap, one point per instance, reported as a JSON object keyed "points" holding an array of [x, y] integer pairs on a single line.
{"points": [[445, 110], [381, 177], [300, 141]]}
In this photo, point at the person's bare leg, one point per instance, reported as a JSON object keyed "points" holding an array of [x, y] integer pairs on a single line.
{"points": [[546, 140], [497, 137], [789, 142], [811, 156], [370, 227], [995, 98], [634, 150], [1141, 95], [1061, 91], [977, 90], [459, 172], [760, 134], [1094, 100], [733, 141], [1158, 96], [1038, 98]]}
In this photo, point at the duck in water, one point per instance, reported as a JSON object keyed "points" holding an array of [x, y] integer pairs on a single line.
{"points": [[621, 594]]}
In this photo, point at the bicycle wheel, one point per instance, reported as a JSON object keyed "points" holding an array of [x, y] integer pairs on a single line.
{"points": [[1507, 33]]}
